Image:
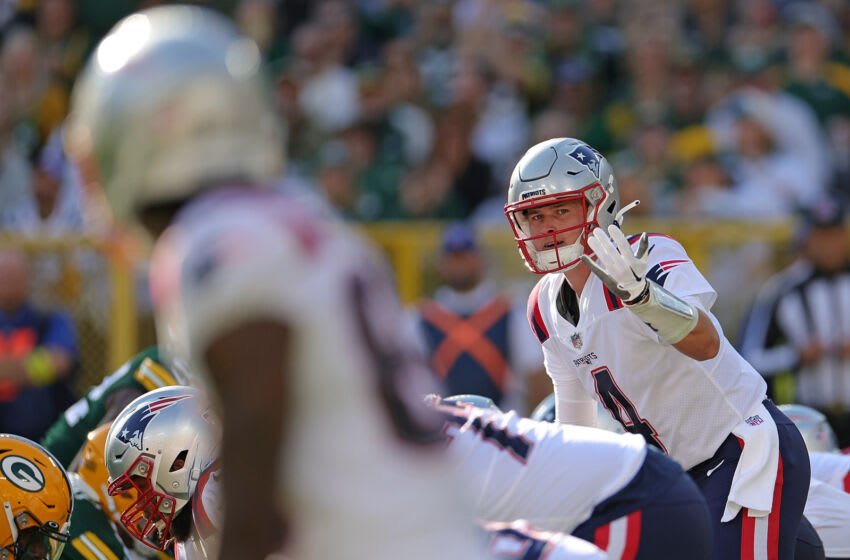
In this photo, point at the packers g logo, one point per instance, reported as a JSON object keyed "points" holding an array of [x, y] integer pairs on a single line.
{"points": [[22, 472]]}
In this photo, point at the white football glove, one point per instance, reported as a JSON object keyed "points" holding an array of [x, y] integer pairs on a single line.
{"points": [[621, 270]]}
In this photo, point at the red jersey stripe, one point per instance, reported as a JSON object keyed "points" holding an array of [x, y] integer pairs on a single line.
{"points": [[535, 318], [601, 536], [633, 521], [773, 521]]}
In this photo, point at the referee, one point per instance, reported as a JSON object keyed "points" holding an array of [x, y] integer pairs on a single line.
{"points": [[800, 321]]}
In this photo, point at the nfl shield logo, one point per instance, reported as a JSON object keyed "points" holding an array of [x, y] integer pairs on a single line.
{"points": [[575, 338]]}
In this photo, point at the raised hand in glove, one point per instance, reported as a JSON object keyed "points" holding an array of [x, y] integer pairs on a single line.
{"points": [[623, 271]]}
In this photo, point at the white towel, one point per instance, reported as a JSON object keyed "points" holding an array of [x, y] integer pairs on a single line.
{"points": [[755, 477]]}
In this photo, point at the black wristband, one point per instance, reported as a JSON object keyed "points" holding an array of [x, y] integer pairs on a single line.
{"points": [[642, 297]]}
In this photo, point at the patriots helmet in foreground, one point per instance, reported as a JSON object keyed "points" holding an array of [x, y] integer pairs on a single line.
{"points": [[156, 450]]}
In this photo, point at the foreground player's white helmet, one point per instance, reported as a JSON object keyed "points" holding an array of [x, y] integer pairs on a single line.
{"points": [[816, 431], [171, 102], [156, 450], [554, 171]]}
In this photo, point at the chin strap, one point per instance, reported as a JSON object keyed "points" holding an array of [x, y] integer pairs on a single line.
{"points": [[10, 518], [618, 219]]}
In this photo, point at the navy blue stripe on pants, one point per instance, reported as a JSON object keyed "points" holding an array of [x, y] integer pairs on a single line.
{"points": [[768, 538], [659, 515]]}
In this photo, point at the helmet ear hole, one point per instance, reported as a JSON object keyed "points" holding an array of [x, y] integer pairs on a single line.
{"points": [[179, 461]]}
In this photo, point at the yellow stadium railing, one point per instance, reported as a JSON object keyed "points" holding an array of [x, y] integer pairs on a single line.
{"points": [[94, 283], [412, 247], [97, 284]]}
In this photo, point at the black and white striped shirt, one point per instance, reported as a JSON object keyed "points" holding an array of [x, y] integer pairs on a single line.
{"points": [[798, 307]]}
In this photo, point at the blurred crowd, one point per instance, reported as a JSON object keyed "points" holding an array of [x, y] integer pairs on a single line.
{"points": [[404, 109]]}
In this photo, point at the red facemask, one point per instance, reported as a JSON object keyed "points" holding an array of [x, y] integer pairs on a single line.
{"points": [[149, 518]]}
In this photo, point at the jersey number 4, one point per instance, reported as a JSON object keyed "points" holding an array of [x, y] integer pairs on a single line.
{"points": [[622, 409]]}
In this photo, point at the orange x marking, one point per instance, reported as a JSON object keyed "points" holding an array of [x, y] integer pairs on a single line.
{"points": [[467, 335]]}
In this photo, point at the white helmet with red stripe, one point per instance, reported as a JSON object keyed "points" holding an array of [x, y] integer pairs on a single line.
{"points": [[559, 170], [156, 451]]}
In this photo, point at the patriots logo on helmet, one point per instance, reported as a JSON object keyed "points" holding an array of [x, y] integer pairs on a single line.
{"points": [[588, 157], [133, 430]]}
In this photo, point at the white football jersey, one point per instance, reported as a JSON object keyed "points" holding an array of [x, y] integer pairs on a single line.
{"points": [[357, 480], [831, 468], [686, 407], [828, 509], [550, 475]]}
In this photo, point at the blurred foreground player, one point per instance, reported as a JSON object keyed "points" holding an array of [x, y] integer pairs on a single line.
{"points": [[284, 312]]}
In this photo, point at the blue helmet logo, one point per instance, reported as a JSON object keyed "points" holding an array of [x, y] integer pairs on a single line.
{"points": [[588, 157], [133, 430]]}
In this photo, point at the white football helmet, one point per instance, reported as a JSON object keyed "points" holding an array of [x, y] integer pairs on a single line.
{"points": [[172, 102], [555, 171], [816, 431], [156, 450]]}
